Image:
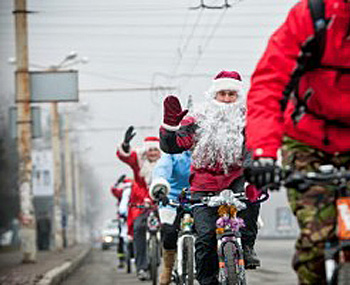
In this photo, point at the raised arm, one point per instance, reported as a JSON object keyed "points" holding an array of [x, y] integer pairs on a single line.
{"points": [[127, 155], [265, 117], [176, 134]]}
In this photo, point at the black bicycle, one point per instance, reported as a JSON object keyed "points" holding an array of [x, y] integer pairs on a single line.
{"points": [[153, 240], [184, 272], [129, 254], [230, 251], [337, 255], [125, 250]]}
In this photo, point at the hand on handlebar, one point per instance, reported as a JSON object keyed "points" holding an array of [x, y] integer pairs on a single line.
{"points": [[165, 200], [264, 172], [159, 193]]}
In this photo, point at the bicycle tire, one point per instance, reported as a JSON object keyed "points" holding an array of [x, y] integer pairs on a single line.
{"points": [[231, 264], [343, 274], [153, 259], [187, 277], [128, 257]]}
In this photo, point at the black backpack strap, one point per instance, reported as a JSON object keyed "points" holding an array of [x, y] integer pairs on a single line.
{"points": [[311, 53], [317, 10]]}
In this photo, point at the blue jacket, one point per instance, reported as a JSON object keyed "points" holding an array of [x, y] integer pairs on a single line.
{"points": [[175, 168]]}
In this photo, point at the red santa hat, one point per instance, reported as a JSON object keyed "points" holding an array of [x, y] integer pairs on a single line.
{"points": [[151, 142], [226, 80]]}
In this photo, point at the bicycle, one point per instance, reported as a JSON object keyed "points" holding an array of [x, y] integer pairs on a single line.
{"points": [[337, 255], [230, 250], [129, 254], [153, 240], [184, 273], [124, 247]]}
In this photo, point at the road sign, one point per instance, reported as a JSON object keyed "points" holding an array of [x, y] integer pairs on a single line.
{"points": [[36, 122]]}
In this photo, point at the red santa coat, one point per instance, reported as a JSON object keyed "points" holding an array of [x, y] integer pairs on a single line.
{"points": [[139, 190], [330, 89], [117, 193]]}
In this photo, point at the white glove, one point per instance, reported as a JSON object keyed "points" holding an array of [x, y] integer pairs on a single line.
{"points": [[159, 187]]}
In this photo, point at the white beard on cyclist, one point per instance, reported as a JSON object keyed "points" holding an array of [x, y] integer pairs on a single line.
{"points": [[146, 170], [219, 138]]}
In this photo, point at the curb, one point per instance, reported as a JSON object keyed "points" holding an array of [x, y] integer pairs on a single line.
{"points": [[59, 273]]}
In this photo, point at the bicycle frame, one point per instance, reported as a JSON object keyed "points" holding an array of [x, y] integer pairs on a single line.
{"points": [[336, 254], [342, 247], [227, 232], [153, 223], [153, 241], [186, 231], [228, 226]]}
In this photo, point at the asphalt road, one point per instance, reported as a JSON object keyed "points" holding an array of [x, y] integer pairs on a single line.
{"points": [[100, 268]]}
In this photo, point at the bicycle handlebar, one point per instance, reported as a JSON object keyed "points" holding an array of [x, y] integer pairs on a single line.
{"points": [[189, 203], [303, 180], [237, 199], [318, 176]]}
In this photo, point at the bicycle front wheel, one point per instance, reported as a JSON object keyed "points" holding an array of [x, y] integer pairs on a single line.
{"points": [[129, 253], [153, 259], [187, 277], [235, 272]]}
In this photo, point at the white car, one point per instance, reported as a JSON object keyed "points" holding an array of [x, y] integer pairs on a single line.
{"points": [[110, 234]]}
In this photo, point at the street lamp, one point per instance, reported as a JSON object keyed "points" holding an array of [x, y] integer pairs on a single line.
{"points": [[69, 60], [82, 60]]}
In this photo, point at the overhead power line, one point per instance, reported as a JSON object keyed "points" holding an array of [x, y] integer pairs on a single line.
{"points": [[206, 43], [183, 49], [202, 5], [114, 77], [155, 88], [103, 129]]}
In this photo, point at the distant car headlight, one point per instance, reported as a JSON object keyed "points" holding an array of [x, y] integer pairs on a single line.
{"points": [[108, 239]]}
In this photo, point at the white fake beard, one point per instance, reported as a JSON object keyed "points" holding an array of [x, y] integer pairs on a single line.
{"points": [[146, 170], [219, 138]]}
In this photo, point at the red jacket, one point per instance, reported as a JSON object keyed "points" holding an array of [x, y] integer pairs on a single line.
{"points": [[177, 141], [117, 193], [330, 88], [137, 196], [139, 190]]}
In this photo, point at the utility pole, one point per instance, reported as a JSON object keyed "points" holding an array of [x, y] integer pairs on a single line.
{"points": [[68, 182], [82, 204], [57, 212], [24, 135], [77, 209], [59, 236]]}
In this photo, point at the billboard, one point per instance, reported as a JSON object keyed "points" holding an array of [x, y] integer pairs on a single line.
{"points": [[53, 86]]}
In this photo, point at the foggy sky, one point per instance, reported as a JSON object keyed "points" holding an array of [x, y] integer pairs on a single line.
{"points": [[133, 44]]}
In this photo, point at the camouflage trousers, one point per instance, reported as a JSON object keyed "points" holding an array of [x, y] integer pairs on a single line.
{"points": [[314, 209]]}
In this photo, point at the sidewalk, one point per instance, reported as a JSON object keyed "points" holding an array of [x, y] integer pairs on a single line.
{"points": [[51, 267]]}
